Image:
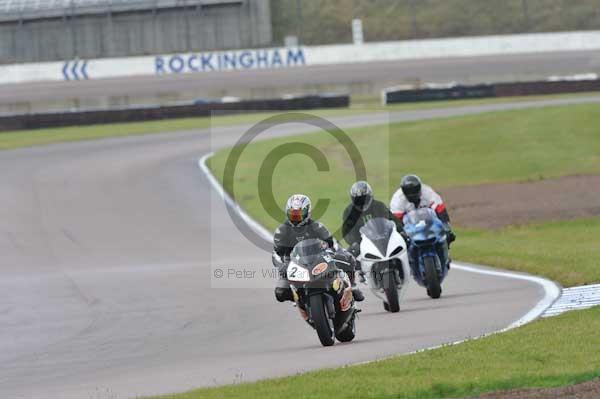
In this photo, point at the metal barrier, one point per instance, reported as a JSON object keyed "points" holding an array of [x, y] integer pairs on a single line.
{"points": [[460, 92], [116, 115], [447, 93]]}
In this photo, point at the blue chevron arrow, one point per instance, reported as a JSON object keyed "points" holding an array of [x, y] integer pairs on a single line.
{"points": [[84, 70], [65, 70], [74, 70]]}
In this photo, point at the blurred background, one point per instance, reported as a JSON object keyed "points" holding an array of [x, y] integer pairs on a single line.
{"points": [[50, 30], [58, 55]]}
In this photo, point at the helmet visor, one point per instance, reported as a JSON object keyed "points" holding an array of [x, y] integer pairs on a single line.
{"points": [[412, 193], [362, 201], [296, 216]]}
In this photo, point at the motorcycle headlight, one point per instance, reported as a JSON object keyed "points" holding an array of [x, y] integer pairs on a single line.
{"points": [[371, 256]]}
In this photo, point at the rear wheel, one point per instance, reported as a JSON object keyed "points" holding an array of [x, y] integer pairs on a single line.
{"points": [[390, 287], [432, 278], [322, 323]]}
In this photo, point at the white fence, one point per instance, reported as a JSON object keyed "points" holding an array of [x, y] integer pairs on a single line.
{"points": [[299, 56]]}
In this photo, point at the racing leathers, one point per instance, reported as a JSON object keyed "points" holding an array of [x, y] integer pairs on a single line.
{"points": [[354, 219], [400, 206], [287, 236]]}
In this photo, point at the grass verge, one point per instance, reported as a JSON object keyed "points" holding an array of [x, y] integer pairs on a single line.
{"points": [[508, 146], [27, 138], [496, 147], [566, 252]]}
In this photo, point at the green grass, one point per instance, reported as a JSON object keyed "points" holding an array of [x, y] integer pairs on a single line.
{"points": [[27, 138], [506, 146], [566, 252], [552, 352], [496, 147]]}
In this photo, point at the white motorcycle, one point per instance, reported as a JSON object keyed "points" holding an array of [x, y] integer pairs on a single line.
{"points": [[384, 261]]}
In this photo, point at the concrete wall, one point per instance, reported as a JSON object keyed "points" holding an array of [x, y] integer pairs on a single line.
{"points": [[360, 70], [277, 58], [243, 24]]}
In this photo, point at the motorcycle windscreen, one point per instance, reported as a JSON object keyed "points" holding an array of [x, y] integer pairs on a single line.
{"points": [[309, 252], [379, 230], [425, 215], [420, 224]]}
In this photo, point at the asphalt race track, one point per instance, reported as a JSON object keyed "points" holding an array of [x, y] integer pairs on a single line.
{"points": [[361, 77], [105, 287]]}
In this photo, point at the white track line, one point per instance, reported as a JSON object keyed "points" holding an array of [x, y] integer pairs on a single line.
{"points": [[552, 290], [257, 227]]}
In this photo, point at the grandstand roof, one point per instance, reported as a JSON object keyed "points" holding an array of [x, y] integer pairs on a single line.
{"points": [[11, 10]]}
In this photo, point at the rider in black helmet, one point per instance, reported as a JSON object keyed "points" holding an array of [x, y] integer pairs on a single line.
{"points": [[363, 207], [413, 194]]}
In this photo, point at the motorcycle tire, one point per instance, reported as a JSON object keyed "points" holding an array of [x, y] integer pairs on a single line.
{"points": [[321, 321], [348, 333], [390, 287], [432, 278]]}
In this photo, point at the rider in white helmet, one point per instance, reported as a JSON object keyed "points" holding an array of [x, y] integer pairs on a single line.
{"points": [[297, 227]]}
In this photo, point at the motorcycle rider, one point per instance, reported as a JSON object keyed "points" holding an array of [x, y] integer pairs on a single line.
{"points": [[413, 194], [300, 226], [363, 207]]}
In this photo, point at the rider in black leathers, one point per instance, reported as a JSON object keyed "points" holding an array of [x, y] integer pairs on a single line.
{"points": [[299, 226], [362, 209]]}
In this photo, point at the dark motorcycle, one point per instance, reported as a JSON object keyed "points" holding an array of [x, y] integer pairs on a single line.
{"points": [[428, 249], [322, 291]]}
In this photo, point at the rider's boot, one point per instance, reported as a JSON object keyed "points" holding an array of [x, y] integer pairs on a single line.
{"points": [[357, 294], [283, 294]]}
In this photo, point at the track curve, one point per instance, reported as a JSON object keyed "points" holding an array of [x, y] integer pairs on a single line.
{"points": [[105, 276]]}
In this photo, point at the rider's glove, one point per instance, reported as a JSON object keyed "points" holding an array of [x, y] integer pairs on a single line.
{"points": [[451, 237], [354, 249], [405, 236]]}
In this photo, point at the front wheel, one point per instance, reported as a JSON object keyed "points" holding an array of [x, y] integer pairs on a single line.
{"points": [[390, 287], [348, 333], [432, 278], [322, 323]]}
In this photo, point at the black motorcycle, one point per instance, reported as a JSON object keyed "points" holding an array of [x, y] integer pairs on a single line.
{"points": [[322, 291]]}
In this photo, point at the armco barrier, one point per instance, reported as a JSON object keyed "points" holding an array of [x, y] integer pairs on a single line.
{"points": [[91, 117], [455, 92], [390, 96], [544, 87]]}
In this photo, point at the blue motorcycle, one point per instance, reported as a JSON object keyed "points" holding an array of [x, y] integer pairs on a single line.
{"points": [[428, 249]]}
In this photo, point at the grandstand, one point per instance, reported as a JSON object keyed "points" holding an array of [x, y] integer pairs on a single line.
{"points": [[48, 30], [11, 10]]}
